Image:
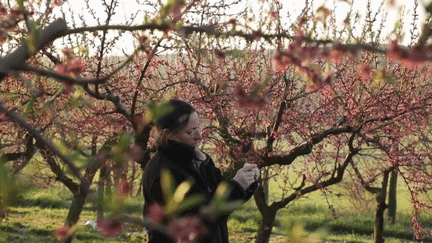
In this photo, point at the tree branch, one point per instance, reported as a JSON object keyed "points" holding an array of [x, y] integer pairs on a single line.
{"points": [[282, 107], [56, 75], [305, 148], [111, 97], [40, 139], [17, 58], [331, 181]]}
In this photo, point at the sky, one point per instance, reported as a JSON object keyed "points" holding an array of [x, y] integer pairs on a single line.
{"points": [[293, 7]]}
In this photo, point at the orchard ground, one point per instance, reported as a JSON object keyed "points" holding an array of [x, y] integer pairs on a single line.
{"points": [[39, 211]]}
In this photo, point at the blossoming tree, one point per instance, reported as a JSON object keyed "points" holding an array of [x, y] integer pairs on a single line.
{"points": [[282, 95]]}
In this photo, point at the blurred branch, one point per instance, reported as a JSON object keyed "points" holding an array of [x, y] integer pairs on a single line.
{"points": [[16, 59], [60, 175]]}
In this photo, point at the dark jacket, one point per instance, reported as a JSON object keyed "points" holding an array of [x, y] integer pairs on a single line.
{"points": [[179, 159]]}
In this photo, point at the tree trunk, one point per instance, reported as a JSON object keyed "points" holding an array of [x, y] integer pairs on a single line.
{"points": [[268, 213], [77, 206], [392, 202], [265, 185], [266, 226], [379, 213], [101, 192]]}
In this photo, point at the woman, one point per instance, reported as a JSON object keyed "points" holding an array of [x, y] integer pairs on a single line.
{"points": [[177, 151]]}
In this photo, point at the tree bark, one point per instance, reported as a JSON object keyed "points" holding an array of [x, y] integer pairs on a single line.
{"points": [[392, 202], [266, 226], [101, 192], [76, 207], [379, 213], [268, 213]]}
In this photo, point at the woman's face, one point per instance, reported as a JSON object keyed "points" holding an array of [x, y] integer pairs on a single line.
{"points": [[190, 134]]}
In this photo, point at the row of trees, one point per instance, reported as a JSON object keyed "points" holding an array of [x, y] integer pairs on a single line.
{"points": [[326, 102]]}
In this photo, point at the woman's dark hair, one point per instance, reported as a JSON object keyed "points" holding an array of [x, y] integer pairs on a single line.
{"points": [[176, 116]]}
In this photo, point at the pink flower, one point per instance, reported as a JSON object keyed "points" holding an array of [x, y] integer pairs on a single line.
{"points": [[187, 229], [135, 152], [252, 99], [156, 213], [61, 232], [110, 228], [365, 73], [281, 61], [124, 188], [76, 66]]}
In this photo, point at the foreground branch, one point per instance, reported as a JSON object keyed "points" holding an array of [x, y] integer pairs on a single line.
{"points": [[17, 58]]}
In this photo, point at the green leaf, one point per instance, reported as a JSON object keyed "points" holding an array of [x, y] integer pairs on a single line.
{"points": [[146, 19], [125, 140], [11, 95], [29, 108], [228, 207], [429, 8], [220, 203], [182, 190], [179, 202], [222, 191], [156, 111], [188, 203], [167, 185], [61, 146], [21, 7]]}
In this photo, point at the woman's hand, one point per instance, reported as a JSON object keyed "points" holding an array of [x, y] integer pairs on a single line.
{"points": [[247, 175]]}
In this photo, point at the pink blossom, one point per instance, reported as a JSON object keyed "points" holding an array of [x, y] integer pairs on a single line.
{"points": [[249, 100], [280, 62], [135, 152], [61, 232], [156, 213], [187, 229], [110, 228], [76, 66], [124, 188], [365, 73]]}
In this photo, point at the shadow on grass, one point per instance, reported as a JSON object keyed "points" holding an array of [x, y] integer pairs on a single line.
{"points": [[18, 232], [44, 198], [61, 199]]}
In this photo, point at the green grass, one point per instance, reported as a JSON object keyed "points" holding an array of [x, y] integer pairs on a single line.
{"points": [[38, 212]]}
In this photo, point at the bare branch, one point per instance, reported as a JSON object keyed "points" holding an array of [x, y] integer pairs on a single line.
{"points": [[305, 148]]}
